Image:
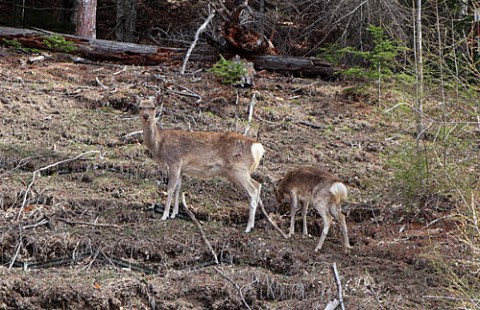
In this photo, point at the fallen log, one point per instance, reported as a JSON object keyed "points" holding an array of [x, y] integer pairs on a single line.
{"points": [[300, 66], [151, 55], [103, 50]]}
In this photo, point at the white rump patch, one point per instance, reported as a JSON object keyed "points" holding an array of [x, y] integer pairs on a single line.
{"points": [[257, 152], [339, 190]]}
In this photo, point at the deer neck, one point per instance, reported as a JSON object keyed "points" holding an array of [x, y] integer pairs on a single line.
{"points": [[151, 135]]}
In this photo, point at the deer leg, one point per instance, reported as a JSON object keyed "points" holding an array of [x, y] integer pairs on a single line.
{"points": [[177, 197], [293, 210], [321, 207], [173, 177], [304, 218], [253, 188], [340, 217]]}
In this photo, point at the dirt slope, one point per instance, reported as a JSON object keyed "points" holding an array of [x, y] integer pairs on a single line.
{"points": [[88, 237]]}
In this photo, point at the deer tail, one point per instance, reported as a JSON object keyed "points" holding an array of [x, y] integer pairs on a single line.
{"points": [[257, 153], [339, 192]]}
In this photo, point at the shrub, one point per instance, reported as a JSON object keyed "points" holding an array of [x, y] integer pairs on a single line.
{"points": [[58, 42], [229, 72]]}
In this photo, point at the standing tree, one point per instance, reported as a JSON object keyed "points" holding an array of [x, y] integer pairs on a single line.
{"points": [[126, 18], [86, 18], [419, 70]]}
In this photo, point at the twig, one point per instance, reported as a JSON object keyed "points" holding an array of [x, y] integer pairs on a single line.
{"points": [[92, 260], [19, 246], [194, 219], [250, 113], [42, 222], [197, 36], [332, 305], [375, 296], [36, 172], [236, 286], [312, 125], [123, 70], [339, 285], [36, 59], [86, 223], [100, 83], [191, 94], [126, 264], [441, 218], [474, 301], [270, 220], [135, 133]]}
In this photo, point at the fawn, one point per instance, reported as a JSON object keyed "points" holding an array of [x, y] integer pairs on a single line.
{"points": [[201, 154], [323, 190]]}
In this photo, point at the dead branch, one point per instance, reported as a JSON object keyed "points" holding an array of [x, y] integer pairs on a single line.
{"points": [[52, 263], [311, 125], [92, 260], [451, 298], [197, 36], [36, 172], [32, 60], [17, 250], [100, 83], [190, 94], [126, 264], [135, 133], [339, 285], [239, 289], [376, 297], [86, 223], [332, 305], [42, 222], [250, 113], [204, 237], [271, 221]]}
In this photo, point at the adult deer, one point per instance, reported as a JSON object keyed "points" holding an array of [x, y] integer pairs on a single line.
{"points": [[201, 154], [323, 190]]}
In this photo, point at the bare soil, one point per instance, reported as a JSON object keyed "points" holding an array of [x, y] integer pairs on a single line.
{"points": [[87, 237]]}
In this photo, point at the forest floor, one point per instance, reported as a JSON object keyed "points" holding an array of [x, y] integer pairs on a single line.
{"points": [[87, 237]]}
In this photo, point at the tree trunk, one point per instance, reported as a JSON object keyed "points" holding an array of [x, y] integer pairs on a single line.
{"points": [[86, 18], [419, 48], [299, 66], [126, 18]]}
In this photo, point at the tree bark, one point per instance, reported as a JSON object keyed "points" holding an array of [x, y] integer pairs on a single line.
{"points": [[86, 18], [299, 66], [126, 18], [137, 54], [419, 73]]}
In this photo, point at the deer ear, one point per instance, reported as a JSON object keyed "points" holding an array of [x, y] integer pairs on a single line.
{"points": [[158, 99], [136, 99]]}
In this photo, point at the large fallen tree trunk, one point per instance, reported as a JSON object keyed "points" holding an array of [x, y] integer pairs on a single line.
{"points": [[138, 54], [301, 66], [101, 50]]}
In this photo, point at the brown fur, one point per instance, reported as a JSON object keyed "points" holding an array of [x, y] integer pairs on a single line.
{"points": [[204, 155], [320, 188]]}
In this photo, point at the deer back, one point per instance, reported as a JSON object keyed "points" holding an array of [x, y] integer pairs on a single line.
{"points": [[206, 154], [305, 182]]}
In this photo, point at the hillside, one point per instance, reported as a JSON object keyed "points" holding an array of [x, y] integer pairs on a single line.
{"points": [[88, 237]]}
